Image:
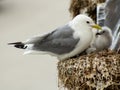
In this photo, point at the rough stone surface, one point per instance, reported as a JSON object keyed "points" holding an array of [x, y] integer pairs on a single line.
{"points": [[84, 6]]}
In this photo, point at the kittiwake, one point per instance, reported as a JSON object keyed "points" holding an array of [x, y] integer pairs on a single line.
{"points": [[102, 41], [63, 42]]}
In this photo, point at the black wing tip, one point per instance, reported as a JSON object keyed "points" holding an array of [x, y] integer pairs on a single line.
{"points": [[18, 45], [14, 43]]}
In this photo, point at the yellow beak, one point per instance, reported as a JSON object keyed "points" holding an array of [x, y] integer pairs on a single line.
{"points": [[97, 27]]}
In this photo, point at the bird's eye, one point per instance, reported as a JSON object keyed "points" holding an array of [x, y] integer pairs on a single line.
{"points": [[103, 32], [87, 22]]}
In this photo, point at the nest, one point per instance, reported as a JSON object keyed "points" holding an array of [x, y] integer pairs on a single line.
{"points": [[84, 6], [97, 71]]}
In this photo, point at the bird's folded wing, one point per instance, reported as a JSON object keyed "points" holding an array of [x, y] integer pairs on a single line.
{"points": [[60, 41]]}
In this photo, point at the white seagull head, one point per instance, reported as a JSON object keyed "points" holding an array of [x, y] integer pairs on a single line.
{"points": [[83, 22]]}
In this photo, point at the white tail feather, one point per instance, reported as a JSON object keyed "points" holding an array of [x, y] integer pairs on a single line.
{"points": [[33, 52]]}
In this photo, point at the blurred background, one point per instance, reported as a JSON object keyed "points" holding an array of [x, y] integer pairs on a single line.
{"points": [[20, 20]]}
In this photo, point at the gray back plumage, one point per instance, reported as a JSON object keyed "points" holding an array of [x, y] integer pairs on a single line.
{"points": [[60, 41]]}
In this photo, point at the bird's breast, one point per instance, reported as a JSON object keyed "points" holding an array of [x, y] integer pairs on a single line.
{"points": [[84, 42]]}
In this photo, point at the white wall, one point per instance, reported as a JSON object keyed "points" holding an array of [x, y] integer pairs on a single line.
{"points": [[19, 20]]}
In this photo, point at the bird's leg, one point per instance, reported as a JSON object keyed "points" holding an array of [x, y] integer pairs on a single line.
{"points": [[90, 50]]}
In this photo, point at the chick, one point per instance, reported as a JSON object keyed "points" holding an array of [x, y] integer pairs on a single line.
{"points": [[102, 41]]}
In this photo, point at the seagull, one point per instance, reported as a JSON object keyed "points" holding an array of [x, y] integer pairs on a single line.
{"points": [[65, 41], [102, 41]]}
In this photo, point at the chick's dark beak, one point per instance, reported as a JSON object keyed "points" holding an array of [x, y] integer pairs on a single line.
{"points": [[98, 33]]}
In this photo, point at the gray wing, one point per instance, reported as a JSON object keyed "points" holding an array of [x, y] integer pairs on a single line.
{"points": [[60, 41]]}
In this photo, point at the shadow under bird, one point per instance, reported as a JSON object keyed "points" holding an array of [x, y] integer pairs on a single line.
{"points": [[63, 42]]}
